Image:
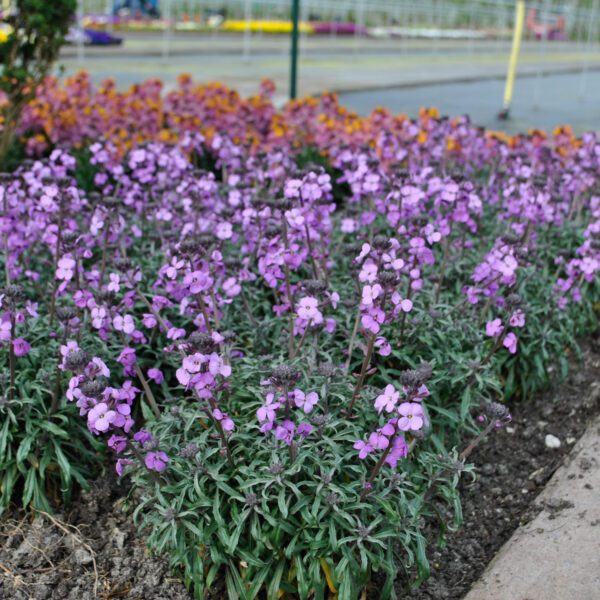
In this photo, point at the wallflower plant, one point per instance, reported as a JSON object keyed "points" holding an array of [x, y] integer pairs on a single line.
{"points": [[289, 348]]}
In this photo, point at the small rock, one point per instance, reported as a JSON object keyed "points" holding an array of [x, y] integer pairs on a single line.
{"points": [[488, 469], [509, 429], [571, 440], [82, 557], [552, 441]]}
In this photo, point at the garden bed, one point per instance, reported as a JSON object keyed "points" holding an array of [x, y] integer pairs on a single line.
{"points": [[513, 467], [41, 561]]}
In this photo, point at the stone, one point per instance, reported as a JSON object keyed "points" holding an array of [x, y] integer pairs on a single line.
{"points": [[552, 442]]}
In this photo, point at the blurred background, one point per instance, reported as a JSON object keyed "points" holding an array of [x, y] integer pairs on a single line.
{"points": [[402, 54]]}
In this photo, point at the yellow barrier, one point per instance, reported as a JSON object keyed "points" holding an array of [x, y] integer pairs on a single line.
{"points": [[514, 55], [265, 26]]}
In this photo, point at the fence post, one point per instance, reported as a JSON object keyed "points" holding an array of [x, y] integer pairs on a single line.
{"points": [[294, 50], [586, 61], [514, 57], [247, 29]]}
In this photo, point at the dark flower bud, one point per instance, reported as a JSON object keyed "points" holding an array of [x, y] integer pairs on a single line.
{"points": [[282, 204], [272, 230], [363, 532], [251, 500], [326, 369], [189, 246], [276, 468], [122, 263], [77, 361], [69, 239], [189, 451], [495, 410], [233, 263], [513, 300], [285, 376], [353, 248], [94, 388], [111, 202], [65, 313], [105, 296], [320, 420], [94, 197], [170, 514], [326, 478], [13, 292], [388, 279], [413, 378], [381, 242], [314, 287], [540, 179], [510, 238], [201, 342], [457, 176], [521, 253], [332, 499], [175, 411]]}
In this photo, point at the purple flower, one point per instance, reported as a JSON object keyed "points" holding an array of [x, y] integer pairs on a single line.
{"points": [[305, 402], [411, 416], [225, 420], [142, 437], [156, 375], [118, 443], [156, 461], [510, 342], [100, 418], [268, 412], [285, 432], [378, 440], [399, 450], [364, 449], [308, 309], [494, 328], [388, 399], [304, 429], [517, 319], [121, 464], [21, 347]]}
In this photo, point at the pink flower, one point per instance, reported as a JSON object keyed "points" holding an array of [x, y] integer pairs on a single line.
{"points": [[225, 420], [370, 293], [66, 268], [156, 375], [113, 285], [364, 449], [411, 416], [308, 309], [21, 347], [510, 342], [494, 328], [100, 418], [388, 400], [305, 402], [517, 319], [156, 461], [5, 329]]}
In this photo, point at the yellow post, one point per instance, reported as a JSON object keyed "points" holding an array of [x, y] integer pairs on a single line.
{"points": [[514, 56]]}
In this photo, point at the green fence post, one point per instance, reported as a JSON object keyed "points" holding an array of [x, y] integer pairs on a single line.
{"points": [[294, 51]]}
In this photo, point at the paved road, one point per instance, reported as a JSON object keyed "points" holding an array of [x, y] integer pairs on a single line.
{"points": [[543, 102], [364, 67]]}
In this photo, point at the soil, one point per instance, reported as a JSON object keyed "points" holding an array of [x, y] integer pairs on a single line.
{"points": [[513, 466], [96, 546]]}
